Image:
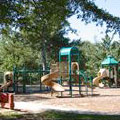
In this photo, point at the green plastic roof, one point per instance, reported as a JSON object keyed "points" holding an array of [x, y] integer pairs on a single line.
{"points": [[69, 51], [109, 61]]}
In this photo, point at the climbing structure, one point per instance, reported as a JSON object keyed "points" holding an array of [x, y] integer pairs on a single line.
{"points": [[108, 74], [6, 99], [8, 76], [112, 66], [66, 71], [70, 57]]}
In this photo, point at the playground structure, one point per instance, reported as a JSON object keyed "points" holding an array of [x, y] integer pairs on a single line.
{"points": [[63, 76], [8, 80], [108, 73], [67, 70], [6, 99], [49, 79], [28, 80], [103, 73]]}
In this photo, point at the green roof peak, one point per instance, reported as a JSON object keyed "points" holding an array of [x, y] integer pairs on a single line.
{"points": [[69, 51], [110, 60]]}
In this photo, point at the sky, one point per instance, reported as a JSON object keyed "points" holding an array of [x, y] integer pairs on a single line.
{"points": [[90, 32]]}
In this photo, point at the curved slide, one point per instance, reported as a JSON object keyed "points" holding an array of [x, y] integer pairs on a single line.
{"points": [[48, 81], [102, 73], [96, 81]]}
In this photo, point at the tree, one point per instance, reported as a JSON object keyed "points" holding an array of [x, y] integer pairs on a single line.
{"points": [[14, 10], [95, 53], [55, 43], [87, 11], [15, 53], [88, 51], [44, 22], [109, 47], [40, 20], [116, 49]]}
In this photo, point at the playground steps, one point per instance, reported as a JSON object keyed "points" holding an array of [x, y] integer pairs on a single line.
{"points": [[6, 100]]}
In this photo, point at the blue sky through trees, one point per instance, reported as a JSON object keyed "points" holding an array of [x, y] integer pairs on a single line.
{"points": [[91, 32]]}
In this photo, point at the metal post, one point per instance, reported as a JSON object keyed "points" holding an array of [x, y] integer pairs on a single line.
{"points": [[60, 71], [86, 82], [40, 80], [91, 81], [24, 77], [79, 74], [70, 80], [31, 90], [115, 76], [61, 85], [110, 76], [14, 72]]}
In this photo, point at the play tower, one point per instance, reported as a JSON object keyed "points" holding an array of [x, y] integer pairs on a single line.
{"points": [[70, 56]]}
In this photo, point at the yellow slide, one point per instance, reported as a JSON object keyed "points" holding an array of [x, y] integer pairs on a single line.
{"points": [[48, 81], [101, 74], [96, 81]]}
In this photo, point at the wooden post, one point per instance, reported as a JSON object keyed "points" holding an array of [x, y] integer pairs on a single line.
{"points": [[11, 101], [7, 101]]}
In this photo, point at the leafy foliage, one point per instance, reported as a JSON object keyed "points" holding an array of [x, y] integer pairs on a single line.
{"points": [[15, 53], [87, 11], [33, 30], [19, 13], [94, 54]]}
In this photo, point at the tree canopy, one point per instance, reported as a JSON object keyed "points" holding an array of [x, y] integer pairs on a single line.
{"points": [[37, 27], [18, 12]]}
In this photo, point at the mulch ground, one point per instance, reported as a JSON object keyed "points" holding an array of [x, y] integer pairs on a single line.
{"points": [[105, 101]]}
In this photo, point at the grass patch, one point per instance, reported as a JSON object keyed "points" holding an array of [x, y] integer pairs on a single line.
{"points": [[55, 115], [74, 116], [9, 115]]}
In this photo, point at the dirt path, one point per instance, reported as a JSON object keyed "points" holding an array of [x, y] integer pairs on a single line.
{"points": [[107, 101]]}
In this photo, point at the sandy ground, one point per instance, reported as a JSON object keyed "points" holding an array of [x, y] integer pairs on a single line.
{"points": [[104, 101]]}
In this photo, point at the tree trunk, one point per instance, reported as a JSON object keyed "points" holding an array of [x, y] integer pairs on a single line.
{"points": [[43, 53]]}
